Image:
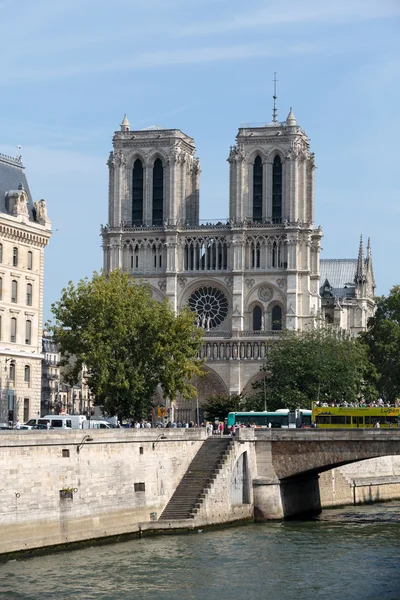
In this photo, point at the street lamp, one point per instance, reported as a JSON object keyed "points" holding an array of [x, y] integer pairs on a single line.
{"points": [[86, 438]]}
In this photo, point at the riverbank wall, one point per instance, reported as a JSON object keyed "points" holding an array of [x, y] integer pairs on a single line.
{"points": [[69, 487], [59, 488], [365, 482]]}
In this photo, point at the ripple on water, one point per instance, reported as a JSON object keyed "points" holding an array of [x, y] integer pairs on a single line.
{"points": [[348, 553]]}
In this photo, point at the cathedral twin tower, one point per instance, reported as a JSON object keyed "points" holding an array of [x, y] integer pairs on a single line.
{"points": [[246, 278]]}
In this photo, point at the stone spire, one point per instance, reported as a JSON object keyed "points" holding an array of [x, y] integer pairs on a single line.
{"points": [[291, 119], [125, 126], [360, 271], [370, 270]]}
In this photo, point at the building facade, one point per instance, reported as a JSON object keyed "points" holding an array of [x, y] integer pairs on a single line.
{"points": [[24, 233], [247, 278], [58, 396]]}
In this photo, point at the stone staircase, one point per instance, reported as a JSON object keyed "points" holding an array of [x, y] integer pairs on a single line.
{"points": [[198, 479]]}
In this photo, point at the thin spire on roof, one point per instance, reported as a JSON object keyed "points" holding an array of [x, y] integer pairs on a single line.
{"points": [[274, 110], [360, 271], [370, 269]]}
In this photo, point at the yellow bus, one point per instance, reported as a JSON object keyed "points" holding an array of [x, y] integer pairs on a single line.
{"points": [[326, 417]]}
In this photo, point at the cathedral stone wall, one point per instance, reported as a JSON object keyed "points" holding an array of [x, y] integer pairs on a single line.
{"points": [[246, 278]]}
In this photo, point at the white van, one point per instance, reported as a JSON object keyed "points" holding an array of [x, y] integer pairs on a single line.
{"points": [[96, 424], [58, 422]]}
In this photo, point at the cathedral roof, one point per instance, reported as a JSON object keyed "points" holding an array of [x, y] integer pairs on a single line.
{"points": [[340, 273], [12, 175]]}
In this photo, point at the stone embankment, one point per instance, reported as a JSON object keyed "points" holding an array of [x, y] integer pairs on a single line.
{"points": [[60, 488]]}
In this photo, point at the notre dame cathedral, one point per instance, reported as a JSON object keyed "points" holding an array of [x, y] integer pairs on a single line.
{"points": [[246, 278]]}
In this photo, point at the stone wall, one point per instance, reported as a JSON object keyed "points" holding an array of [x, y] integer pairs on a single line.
{"points": [[115, 482], [373, 480]]}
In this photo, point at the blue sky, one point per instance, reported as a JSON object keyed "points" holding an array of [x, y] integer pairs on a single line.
{"points": [[71, 68]]}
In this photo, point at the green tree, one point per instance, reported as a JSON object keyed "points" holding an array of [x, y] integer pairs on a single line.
{"points": [[129, 342], [383, 340], [301, 368], [217, 406]]}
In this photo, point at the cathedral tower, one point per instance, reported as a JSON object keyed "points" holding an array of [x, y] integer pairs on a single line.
{"points": [[154, 177], [272, 174]]}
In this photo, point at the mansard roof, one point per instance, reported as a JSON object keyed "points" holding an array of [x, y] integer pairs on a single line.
{"points": [[340, 273], [12, 175]]}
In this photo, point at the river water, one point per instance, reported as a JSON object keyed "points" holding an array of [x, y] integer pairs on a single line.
{"points": [[349, 553]]}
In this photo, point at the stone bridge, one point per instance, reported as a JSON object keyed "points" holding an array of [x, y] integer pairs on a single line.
{"points": [[286, 463]]}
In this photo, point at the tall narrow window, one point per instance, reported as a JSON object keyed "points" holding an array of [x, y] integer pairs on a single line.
{"points": [[137, 193], [30, 260], [26, 410], [27, 374], [15, 257], [14, 291], [276, 317], [29, 294], [277, 190], [257, 189], [158, 192], [12, 371], [28, 332], [257, 318], [13, 330]]}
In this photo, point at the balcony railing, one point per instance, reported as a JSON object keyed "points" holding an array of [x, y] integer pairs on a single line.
{"points": [[242, 334], [228, 224]]}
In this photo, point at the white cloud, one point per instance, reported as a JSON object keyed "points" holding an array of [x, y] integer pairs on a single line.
{"points": [[297, 12], [203, 55]]}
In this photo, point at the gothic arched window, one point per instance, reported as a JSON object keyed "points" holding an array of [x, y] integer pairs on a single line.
{"points": [[137, 193], [276, 318], [277, 190], [158, 192], [257, 189], [257, 318]]}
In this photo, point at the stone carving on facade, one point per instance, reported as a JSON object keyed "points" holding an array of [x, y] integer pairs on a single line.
{"points": [[111, 160], [236, 154], [176, 154], [162, 285], [250, 283], [229, 281], [41, 212], [182, 281], [281, 282], [120, 159], [20, 198], [196, 166], [266, 293]]}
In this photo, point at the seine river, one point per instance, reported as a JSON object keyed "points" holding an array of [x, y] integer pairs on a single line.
{"points": [[348, 553]]}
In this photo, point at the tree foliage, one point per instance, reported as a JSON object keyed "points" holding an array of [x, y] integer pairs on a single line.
{"points": [[301, 368], [129, 342], [217, 406], [383, 340]]}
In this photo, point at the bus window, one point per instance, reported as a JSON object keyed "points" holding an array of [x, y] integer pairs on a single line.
{"points": [[306, 419], [336, 420], [359, 421], [259, 420], [368, 420], [323, 420]]}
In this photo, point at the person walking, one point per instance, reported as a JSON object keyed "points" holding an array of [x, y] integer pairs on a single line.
{"points": [[221, 427]]}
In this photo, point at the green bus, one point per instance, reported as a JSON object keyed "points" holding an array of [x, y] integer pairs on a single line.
{"points": [[282, 418]]}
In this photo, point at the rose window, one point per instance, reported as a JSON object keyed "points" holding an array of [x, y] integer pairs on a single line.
{"points": [[210, 305]]}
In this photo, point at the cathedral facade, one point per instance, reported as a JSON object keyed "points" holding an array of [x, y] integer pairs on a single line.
{"points": [[246, 278]]}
